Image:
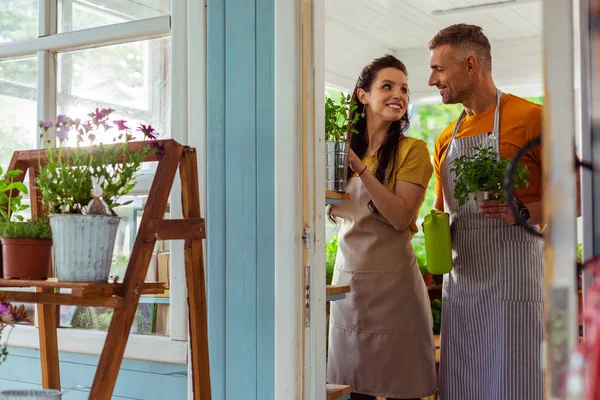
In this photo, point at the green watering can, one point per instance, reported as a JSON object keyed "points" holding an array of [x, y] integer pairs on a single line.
{"points": [[438, 246]]}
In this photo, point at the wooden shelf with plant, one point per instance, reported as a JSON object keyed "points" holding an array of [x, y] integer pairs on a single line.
{"points": [[119, 161]]}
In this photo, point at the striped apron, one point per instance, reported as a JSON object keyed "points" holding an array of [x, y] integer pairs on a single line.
{"points": [[493, 317]]}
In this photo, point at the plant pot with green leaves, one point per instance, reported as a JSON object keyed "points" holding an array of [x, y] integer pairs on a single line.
{"points": [[481, 176], [338, 122], [82, 185], [26, 245]]}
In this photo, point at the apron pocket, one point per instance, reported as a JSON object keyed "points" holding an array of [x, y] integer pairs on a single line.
{"points": [[378, 302], [523, 271]]}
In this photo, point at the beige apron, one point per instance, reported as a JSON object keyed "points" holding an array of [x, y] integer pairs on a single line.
{"points": [[380, 335]]}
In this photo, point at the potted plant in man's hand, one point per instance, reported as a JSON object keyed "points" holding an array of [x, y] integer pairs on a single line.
{"points": [[26, 244], [481, 176], [337, 124]]}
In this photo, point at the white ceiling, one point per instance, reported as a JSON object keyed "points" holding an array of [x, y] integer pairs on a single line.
{"points": [[357, 31]]}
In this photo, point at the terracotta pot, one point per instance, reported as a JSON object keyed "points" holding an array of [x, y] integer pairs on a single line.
{"points": [[26, 258]]}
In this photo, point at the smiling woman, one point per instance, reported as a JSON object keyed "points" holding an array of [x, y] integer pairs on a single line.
{"points": [[389, 301]]}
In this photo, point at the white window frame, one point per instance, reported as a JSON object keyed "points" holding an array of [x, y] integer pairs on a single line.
{"points": [[172, 349]]}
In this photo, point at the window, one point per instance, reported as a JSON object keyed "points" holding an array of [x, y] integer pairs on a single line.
{"points": [[97, 54]]}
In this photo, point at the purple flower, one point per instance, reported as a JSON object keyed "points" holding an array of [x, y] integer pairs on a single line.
{"points": [[92, 137], [96, 115], [105, 112], [63, 119], [148, 131], [87, 126], [159, 149], [62, 132], [46, 124], [121, 124]]}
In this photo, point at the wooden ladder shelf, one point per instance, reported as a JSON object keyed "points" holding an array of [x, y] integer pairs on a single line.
{"points": [[124, 297]]}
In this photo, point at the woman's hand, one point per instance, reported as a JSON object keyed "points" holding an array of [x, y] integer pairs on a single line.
{"points": [[355, 163]]}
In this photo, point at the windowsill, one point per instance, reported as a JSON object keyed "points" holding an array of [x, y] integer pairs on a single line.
{"points": [[139, 347]]}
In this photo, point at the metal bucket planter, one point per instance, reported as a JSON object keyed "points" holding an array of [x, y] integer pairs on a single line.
{"points": [[337, 166], [31, 395], [83, 246]]}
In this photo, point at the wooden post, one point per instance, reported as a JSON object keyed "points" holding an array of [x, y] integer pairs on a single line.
{"points": [[195, 277], [118, 332], [47, 320]]}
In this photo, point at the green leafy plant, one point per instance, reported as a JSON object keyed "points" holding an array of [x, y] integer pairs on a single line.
{"points": [[421, 254], [484, 172], [13, 225], [39, 229], [330, 255], [11, 196], [66, 180], [337, 121]]}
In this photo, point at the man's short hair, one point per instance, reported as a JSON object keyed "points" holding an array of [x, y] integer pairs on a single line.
{"points": [[466, 37]]}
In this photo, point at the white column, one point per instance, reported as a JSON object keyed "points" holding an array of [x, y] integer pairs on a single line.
{"points": [[560, 193], [288, 251]]}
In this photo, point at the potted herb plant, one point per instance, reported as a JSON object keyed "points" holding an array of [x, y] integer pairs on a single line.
{"points": [[481, 176], [81, 186], [337, 124], [26, 245]]}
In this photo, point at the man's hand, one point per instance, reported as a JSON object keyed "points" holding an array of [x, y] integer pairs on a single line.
{"points": [[493, 209]]}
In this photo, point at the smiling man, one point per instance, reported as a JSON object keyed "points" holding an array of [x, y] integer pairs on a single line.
{"points": [[493, 318]]}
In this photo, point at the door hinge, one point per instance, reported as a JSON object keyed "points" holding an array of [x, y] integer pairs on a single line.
{"points": [[306, 237], [307, 296]]}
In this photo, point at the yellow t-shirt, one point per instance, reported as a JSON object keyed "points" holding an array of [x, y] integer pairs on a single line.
{"points": [[520, 122], [413, 164]]}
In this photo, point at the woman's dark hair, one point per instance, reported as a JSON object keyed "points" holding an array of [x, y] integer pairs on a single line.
{"points": [[359, 142]]}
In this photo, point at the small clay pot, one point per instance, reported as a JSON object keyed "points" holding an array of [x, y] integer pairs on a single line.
{"points": [[26, 258]]}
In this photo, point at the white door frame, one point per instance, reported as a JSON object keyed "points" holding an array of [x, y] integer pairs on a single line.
{"points": [[299, 200]]}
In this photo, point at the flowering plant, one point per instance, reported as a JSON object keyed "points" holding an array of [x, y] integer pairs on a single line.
{"points": [[66, 181], [9, 314]]}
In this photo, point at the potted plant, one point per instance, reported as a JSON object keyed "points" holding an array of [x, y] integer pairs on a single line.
{"points": [[481, 176], [26, 245], [81, 186], [9, 314], [337, 124]]}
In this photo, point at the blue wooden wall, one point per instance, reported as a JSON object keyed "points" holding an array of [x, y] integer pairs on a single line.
{"points": [[240, 203], [137, 379]]}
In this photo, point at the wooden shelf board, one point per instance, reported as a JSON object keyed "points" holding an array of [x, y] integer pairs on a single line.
{"points": [[63, 299], [331, 290], [338, 391], [80, 289], [336, 195]]}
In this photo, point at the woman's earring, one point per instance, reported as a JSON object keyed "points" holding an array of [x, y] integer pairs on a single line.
{"points": [[362, 114]]}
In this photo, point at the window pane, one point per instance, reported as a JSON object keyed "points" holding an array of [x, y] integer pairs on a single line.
{"points": [[80, 14], [18, 95], [18, 20], [133, 79]]}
